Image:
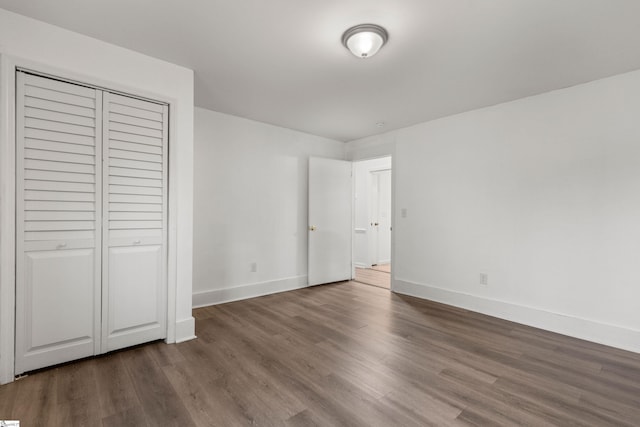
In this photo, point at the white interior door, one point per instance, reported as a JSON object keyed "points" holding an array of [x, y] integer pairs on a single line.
{"points": [[373, 217], [330, 207], [134, 224], [58, 175], [383, 217]]}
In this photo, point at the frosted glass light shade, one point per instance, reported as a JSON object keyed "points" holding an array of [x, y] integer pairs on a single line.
{"points": [[365, 40]]}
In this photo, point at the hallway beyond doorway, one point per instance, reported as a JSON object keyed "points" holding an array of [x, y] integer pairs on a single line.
{"points": [[377, 275], [382, 267]]}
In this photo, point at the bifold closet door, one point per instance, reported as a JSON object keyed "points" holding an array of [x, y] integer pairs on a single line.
{"points": [[134, 221], [58, 221], [91, 221]]}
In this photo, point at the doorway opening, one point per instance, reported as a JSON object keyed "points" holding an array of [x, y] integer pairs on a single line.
{"points": [[372, 222]]}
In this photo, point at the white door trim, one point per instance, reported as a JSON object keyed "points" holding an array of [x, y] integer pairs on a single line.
{"points": [[7, 219]]}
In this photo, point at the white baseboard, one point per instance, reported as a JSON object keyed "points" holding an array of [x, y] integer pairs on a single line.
{"points": [[361, 265], [185, 329], [590, 330], [252, 290]]}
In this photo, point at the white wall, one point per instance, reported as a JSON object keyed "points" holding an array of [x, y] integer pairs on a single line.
{"points": [[542, 195], [30, 43], [372, 147], [362, 208], [250, 206]]}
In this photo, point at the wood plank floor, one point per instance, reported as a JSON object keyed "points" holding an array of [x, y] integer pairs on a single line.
{"points": [[374, 277], [345, 354], [382, 267]]}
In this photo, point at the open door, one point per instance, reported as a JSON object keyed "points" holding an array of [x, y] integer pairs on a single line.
{"points": [[329, 220]]}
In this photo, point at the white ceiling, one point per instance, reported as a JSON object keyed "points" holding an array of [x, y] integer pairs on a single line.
{"points": [[281, 61]]}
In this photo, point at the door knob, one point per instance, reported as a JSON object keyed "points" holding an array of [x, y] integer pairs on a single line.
{"points": [[376, 224], [312, 228]]}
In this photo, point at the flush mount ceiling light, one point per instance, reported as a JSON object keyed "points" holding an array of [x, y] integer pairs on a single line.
{"points": [[365, 40]]}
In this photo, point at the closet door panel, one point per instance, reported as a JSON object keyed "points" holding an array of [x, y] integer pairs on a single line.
{"points": [[135, 299], [134, 222], [60, 147], [59, 313], [67, 138], [58, 219], [57, 279]]}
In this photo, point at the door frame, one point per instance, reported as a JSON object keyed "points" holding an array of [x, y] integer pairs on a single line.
{"points": [[8, 66], [393, 204]]}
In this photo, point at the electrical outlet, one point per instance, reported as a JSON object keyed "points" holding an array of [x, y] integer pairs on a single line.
{"points": [[484, 279], [254, 267]]}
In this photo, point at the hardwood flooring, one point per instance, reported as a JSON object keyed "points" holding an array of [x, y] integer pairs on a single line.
{"points": [[382, 267], [374, 277], [345, 354]]}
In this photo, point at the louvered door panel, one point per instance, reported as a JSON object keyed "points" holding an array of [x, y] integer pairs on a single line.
{"points": [[58, 221], [134, 223]]}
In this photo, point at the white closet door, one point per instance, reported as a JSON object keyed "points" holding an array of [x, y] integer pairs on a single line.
{"points": [[58, 219], [134, 221]]}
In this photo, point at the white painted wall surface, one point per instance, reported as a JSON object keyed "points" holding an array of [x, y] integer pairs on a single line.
{"points": [[372, 147], [542, 195], [250, 206], [61, 52], [362, 208]]}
